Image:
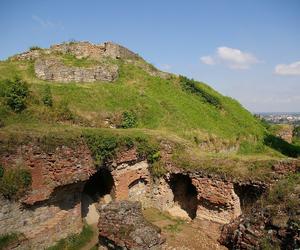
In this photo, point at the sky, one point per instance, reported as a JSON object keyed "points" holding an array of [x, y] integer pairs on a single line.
{"points": [[248, 50]]}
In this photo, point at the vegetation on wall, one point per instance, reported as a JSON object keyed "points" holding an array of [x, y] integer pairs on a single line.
{"points": [[14, 182], [286, 193], [75, 241], [8, 239], [105, 146]]}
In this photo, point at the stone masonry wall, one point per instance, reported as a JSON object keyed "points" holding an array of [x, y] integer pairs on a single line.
{"points": [[217, 200], [54, 70], [52, 208], [122, 226], [50, 170], [95, 51], [125, 175], [45, 223]]}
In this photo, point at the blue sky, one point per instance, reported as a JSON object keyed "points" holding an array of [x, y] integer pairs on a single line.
{"points": [[249, 50]]}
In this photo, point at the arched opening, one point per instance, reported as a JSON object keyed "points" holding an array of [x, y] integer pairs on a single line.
{"points": [[98, 189], [185, 194], [137, 190], [248, 195]]}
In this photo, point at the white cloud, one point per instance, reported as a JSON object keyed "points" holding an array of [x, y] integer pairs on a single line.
{"points": [[46, 23], [207, 60], [236, 58], [233, 58], [288, 69]]}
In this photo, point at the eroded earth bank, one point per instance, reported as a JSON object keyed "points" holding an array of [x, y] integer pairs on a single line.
{"points": [[134, 209]]}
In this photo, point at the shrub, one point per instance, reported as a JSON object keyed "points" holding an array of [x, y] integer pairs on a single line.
{"points": [[296, 132], [64, 112], [47, 96], [286, 193], [282, 146], [103, 147], [34, 48], [158, 169], [194, 87], [14, 183], [16, 94], [7, 239], [129, 120], [75, 241]]}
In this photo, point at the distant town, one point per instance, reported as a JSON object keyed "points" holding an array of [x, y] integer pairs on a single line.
{"points": [[281, 118]]}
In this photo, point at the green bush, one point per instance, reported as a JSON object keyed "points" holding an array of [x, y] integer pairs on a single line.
{"points": [[47, 96], [158, 169], [282, 146], [194, 87], [103, 147], [14, 182], [34, 48], [75, 241], [7, 239], [129, 120], [64, 112], [16, 94]]}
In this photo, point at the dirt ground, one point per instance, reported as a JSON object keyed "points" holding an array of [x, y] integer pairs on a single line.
{"points": [[184, 235]]}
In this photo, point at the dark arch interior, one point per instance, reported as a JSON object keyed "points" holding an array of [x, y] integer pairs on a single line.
{"points": [[98, 185], [137, 181], [185, 193], [248, 194]]}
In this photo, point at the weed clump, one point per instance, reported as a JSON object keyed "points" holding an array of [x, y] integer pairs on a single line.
{"points": [[7, 239], [75, 241], [129, 120], [14, 182], [47, 96], [32, 48]]}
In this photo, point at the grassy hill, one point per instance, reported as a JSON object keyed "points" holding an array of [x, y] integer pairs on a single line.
{"points": [[177, 108]]}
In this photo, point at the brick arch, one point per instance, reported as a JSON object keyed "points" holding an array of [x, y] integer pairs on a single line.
{"points": [[124, 175]]}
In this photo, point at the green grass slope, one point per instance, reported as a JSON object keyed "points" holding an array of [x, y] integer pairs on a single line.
{"points": [[158, 104]]}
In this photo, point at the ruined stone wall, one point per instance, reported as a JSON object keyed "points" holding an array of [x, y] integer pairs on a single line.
{"points": [[122, 226], [285, 132], [54, 70], [52, 208], [132, 182], [80, 50], [62, 166], [217, 200], [44, 223]]}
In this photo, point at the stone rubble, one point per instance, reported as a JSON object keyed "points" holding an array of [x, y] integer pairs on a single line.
{"points": [[122, 226]]}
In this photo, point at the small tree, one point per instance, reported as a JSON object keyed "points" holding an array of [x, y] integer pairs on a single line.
{"points": [[16, 93], [47, 96]]}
